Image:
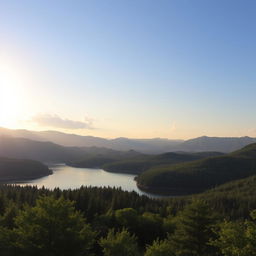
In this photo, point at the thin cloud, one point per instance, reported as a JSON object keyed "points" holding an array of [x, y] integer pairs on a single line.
{"points": [[56, 121]]}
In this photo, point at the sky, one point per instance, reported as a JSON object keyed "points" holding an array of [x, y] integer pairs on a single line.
{"points": [[174, 69]]}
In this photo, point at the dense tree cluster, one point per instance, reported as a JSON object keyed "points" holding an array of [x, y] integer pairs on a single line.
{"points": [[104, 221]]}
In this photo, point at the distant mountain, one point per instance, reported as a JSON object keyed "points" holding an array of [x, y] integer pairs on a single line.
{"points": [[64, 139], [50, 152], [20, 169], [43, 151], [148, 146], [219, 144], [155, 145]]}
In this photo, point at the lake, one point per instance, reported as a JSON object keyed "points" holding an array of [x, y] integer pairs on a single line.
{"points": [[67, 177]]}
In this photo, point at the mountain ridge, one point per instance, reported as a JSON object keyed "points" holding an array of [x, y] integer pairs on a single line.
{"points": [[148, 146], [47, 151]]}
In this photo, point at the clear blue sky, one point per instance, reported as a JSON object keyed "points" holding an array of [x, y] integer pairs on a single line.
{"points": [[134, 68]]}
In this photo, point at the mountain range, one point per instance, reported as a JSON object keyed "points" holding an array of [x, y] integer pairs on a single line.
{"points": [[148, 146], [46, 151]]}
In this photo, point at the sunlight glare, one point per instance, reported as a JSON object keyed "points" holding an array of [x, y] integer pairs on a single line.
{"points": [[10, 97]]}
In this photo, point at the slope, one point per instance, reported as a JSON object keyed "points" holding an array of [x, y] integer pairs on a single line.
{"points": [[20, 169], [200, 175], [139, 164]]}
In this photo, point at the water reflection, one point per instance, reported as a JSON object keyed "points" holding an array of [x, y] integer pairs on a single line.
{"points": [[67, 177]]}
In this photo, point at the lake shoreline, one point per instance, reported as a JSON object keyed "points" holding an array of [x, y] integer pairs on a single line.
{"points": [[66, 177], [166, 191]]}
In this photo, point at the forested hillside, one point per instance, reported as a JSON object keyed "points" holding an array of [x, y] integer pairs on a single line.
{"points": [[97, 157], [142, 163], [20, 169], [200, 175]]}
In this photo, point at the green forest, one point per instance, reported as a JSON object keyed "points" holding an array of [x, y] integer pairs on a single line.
{"points": [[112, 222], [218, 221], [200, 175]]}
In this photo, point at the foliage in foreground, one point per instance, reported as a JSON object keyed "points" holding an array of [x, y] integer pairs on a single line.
{"points": [[51, 224], [51, 227], [119, 243]]}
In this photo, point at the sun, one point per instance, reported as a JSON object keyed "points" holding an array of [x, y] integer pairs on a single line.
{"points": [[10, 100]]}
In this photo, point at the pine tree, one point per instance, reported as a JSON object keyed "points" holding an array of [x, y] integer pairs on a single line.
{"points": [[160, 248], [52, 228], [119, 244], [194, 231]]}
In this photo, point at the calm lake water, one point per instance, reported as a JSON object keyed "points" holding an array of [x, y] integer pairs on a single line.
{"points": [[66, 177]]}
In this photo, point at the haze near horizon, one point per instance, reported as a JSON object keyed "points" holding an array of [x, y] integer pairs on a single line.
{"points": [[141, 69]]}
